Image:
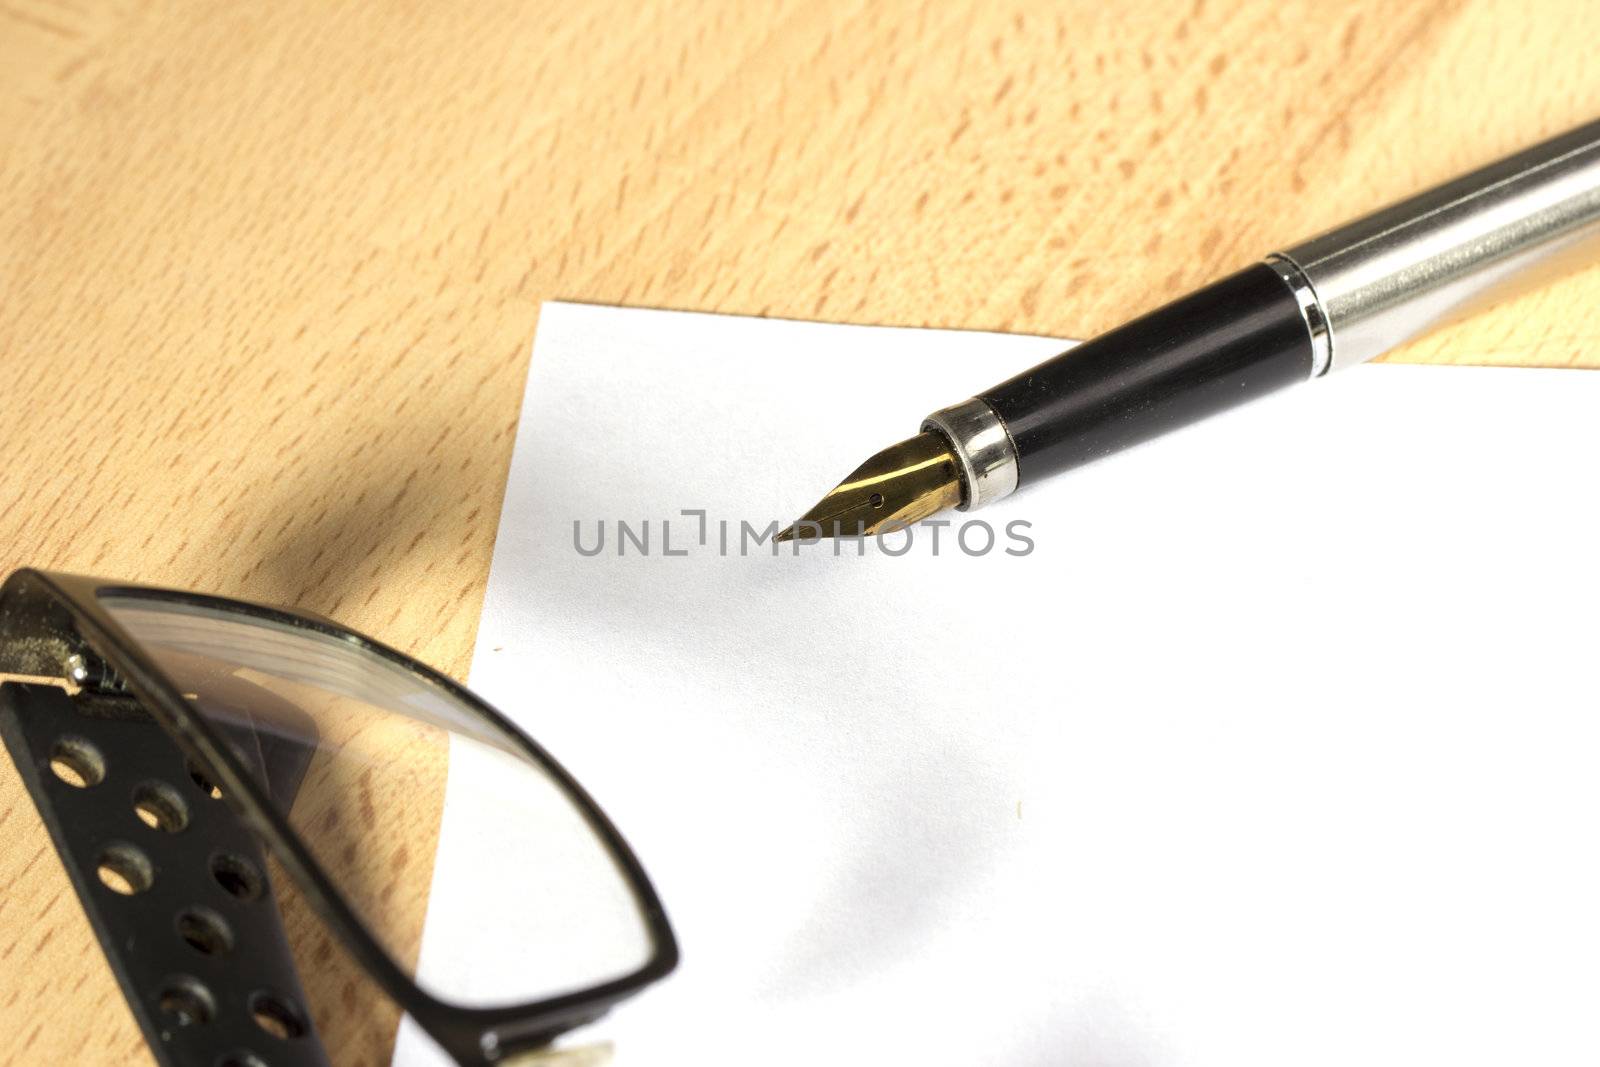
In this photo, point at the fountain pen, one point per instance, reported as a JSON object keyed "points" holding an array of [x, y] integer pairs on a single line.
{"points": [[1330, 302]]}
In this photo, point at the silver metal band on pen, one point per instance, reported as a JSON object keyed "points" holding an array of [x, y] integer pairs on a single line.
{"points": [[984, 448], [1371, 284]]}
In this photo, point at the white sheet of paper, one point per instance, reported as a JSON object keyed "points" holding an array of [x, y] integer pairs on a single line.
{"points": [[1279, 747]]}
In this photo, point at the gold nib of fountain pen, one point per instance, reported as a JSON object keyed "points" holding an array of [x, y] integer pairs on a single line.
{"points": [[901, 485]]}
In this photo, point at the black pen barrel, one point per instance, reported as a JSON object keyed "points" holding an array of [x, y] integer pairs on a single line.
{"points": [[1230, 342]]}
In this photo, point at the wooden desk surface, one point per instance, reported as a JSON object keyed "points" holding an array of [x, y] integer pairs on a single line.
{"points": [[269, 272]]}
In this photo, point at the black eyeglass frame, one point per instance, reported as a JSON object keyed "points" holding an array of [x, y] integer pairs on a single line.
{"points": [[47, 616]]}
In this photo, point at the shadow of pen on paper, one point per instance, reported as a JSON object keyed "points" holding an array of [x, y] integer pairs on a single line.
{"points": [[914, 861], [921, 841]]}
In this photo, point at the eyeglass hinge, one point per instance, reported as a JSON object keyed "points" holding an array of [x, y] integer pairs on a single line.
{"points": [[87, 671]]}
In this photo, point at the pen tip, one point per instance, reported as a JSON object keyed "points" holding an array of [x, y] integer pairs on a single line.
{"points": [[900, 485]]}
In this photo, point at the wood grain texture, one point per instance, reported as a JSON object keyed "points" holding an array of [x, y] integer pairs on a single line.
{"points": [[269, 272]]}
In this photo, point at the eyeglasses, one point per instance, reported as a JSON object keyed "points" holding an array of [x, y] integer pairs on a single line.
{"points": [[189, 742]]}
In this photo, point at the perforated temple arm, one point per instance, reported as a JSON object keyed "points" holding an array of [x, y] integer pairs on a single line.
{"points": [[173, 884]]}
